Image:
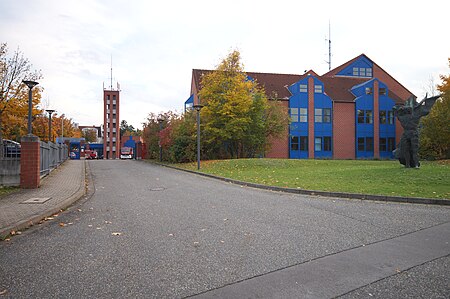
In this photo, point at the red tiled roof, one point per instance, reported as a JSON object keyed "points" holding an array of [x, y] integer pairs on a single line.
{"points": [[336, 87], [272, 83]]}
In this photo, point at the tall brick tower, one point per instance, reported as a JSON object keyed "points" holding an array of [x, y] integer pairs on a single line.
{"points": [[111, 123]]}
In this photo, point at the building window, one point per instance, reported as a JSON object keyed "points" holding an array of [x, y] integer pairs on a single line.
{"points": [[114, 98], [368, 90], [364, 116], [318, 88], [362, 72], [369, 118], [383, 117], [382, 91], [369, 144], [365, 144], [294, 114], [327, 144], [303, 88], [327, 115], [360, 114], [303, 143], [318, 115], [361, 144], [294, 143], [383, 145], [318, 144], [303, 115], [390, 117], [391, 144]]}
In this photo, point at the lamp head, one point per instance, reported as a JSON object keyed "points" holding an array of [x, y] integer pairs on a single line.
{"points": [[30, 84]]}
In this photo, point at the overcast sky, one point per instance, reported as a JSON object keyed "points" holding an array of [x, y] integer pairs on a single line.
{"points": [[155, 45]]}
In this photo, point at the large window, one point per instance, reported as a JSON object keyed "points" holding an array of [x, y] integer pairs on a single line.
{"points": [[294, 114], [322, 115], [387, 144], [294, 143], [318, 144], [327, 144], [303, 115], [303, 143], [365, 144], [383, 117], [362, 72], [318, 115], [318, 89], [390, 117], [327, 115], [365, 116], [303, 88]]}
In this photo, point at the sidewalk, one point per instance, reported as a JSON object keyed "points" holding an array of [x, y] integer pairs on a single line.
{"points": [[60, 189]]}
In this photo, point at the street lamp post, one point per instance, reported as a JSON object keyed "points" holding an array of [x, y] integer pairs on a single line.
{"points": [[30, 85], [198, 107], [50, 111], [160, 121]]}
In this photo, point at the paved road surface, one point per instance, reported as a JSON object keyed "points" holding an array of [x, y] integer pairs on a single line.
{"points": [[152, 232]]}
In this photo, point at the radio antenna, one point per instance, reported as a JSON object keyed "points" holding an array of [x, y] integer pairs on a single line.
{"points": [[329, 46]]}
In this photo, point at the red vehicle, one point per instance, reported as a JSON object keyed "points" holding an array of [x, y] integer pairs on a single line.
{"points": [[126, 153], [89, 154]]}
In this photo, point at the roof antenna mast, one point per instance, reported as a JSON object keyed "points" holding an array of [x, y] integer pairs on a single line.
{"points": [[111, 74], [329, 46]]}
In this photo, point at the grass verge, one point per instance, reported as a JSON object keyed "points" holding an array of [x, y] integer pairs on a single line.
{"points": [[7, 190], [432, 180]]}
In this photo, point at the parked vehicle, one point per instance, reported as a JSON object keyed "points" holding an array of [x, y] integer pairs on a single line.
{"points": [[90, 155], [11, 148], [126, 153]]}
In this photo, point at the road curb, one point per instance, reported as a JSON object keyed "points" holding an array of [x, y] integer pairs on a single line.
{"points": [[26, 223], [371, 197]]}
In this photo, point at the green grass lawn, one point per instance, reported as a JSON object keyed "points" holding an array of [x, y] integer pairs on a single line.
{"points": [[432, 180], [7, 190]]}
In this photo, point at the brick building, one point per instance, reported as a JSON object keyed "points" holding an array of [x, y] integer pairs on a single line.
{"points": [[345, 113], [111, 138]]}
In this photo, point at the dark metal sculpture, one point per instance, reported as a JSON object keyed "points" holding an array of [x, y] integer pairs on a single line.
{"points": [[409, 116]]}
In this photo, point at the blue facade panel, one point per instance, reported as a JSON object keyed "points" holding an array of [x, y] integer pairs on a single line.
{"points": [[387, 124], [323, 128], [298, 129], [189, 103], [362, 67]]}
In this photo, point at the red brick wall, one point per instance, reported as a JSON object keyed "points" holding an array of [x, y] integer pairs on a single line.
{"points": [[30, 162], [279, 147], [392, 84], [343, 130]]}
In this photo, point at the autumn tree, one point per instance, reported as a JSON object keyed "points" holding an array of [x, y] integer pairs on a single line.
{"points": [[435, 127], [13, 93], [89, 135], [237, 118]]}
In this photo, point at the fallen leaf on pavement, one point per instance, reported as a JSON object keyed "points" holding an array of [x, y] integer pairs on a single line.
{"points": [[170, 235], [90, 225], [62, 224], [49, 218], [116, 234], [79, 210], [3, 292], [7, 239], [12, 233]]}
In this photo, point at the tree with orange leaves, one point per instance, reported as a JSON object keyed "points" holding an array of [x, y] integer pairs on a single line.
{"points": [[435, 131]]}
